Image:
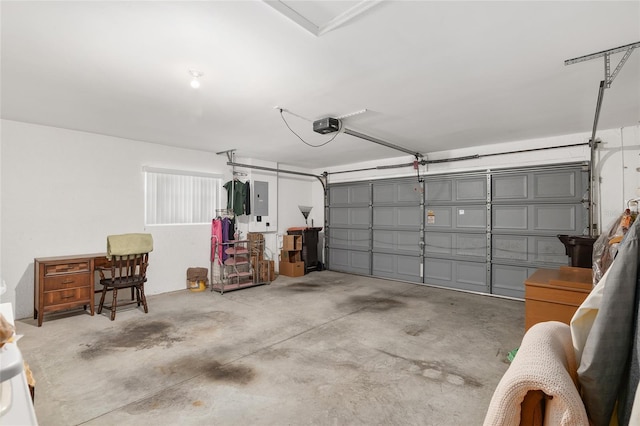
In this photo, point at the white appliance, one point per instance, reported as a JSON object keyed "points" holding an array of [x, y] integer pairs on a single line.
{"points": [[16, 407]]}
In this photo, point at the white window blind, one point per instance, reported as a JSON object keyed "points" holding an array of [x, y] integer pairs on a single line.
{"points": [[181, 197]]}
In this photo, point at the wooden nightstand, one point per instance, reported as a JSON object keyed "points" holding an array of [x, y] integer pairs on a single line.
{"points": [[555, 294], [63, 282]]}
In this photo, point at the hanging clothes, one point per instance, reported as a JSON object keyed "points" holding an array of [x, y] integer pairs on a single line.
{"points": [[216, 240], [236, 195], [228, 229], [247, 198]]}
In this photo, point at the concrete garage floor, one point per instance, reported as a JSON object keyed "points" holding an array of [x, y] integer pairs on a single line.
{"points": [[326, 348]]}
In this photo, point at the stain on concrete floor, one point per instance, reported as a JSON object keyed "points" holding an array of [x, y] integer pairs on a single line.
{"points": [[230, 373], [137, 335], [309, 285], [371, 303], [169, 399], [415, 329], [301, 287], [439, 371]]}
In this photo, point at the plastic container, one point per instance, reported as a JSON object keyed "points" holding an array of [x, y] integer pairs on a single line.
{"points": [[197, 285], [579, 248]]}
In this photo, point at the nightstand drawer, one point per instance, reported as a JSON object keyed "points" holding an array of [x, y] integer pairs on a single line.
{"points": [[67, 281], [67, 267], [64, 282], [68, 296]]}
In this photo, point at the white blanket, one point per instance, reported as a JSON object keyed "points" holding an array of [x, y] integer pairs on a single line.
{"points": [[545, 362]]}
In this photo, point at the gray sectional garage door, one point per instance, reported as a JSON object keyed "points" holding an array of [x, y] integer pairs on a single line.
{"points": [[484, 232], [455, 252], [349, 214], [529, 208], [396, 227]]}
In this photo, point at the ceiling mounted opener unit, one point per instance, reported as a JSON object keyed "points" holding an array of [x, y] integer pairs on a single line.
{"points": [[331, 125], [326, 125]]}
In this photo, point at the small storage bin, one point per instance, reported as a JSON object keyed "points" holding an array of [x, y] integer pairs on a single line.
{"points": [[197, 279], [579, 248]]}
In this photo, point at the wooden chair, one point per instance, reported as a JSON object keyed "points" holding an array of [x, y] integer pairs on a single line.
{"points": [[127, 271]]}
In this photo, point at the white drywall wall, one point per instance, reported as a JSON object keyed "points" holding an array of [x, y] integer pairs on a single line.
{"points": [[64, 191]]}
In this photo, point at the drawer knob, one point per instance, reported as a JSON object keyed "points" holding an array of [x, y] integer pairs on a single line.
{"points": [[67, 281]]}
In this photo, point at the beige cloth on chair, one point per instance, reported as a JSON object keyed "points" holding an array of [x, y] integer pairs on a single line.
{"points": [[544, 363], [125, 244]]}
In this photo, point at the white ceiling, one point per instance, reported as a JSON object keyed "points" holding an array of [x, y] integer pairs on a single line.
{"points": [[432, 75]]}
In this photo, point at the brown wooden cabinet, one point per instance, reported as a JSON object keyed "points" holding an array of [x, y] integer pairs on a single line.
{"points": [[555, 294], [63, 282]]}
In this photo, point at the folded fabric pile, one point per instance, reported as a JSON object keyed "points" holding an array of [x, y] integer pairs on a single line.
{"points": [[540, 386]]}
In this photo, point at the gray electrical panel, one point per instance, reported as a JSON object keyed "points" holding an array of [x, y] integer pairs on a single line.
{"points": [[260, 205]]}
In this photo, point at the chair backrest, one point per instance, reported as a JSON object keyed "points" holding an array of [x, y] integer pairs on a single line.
{"points": [[130, 269], [126, 244]]}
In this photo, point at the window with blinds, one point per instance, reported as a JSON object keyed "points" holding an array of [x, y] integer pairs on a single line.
{"points": [[175, 197]]}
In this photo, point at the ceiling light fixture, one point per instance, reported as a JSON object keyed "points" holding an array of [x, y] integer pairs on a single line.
{"points": [[195, 83]]}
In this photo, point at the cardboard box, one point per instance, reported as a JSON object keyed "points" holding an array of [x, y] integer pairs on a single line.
{"points": [[291, 242], [267, 271], [290, 256], [256, 244], [292, 269]]}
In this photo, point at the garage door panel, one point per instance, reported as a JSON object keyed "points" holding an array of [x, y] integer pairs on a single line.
{"points": [[559, 184], [510, 187], [357, 262], [539, 218], [471, 217], [566, 184], [399, 267], [439, 191], [438, 271], [456, 274], [451, 218], [439, 217], [358, 239], [439, 243], [456, 245], [471, 189], [350, 216], [393, 217], [555, 218], [510, 247], [549, 250], [473, 275], [396, 241], [534, 249], [510, 218], [457, 189], [408, 192], [349, 194], [471, 245], [509, 280]]}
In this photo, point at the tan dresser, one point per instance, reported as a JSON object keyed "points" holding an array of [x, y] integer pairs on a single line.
{"points": [[555, 294], [63, 282]]}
